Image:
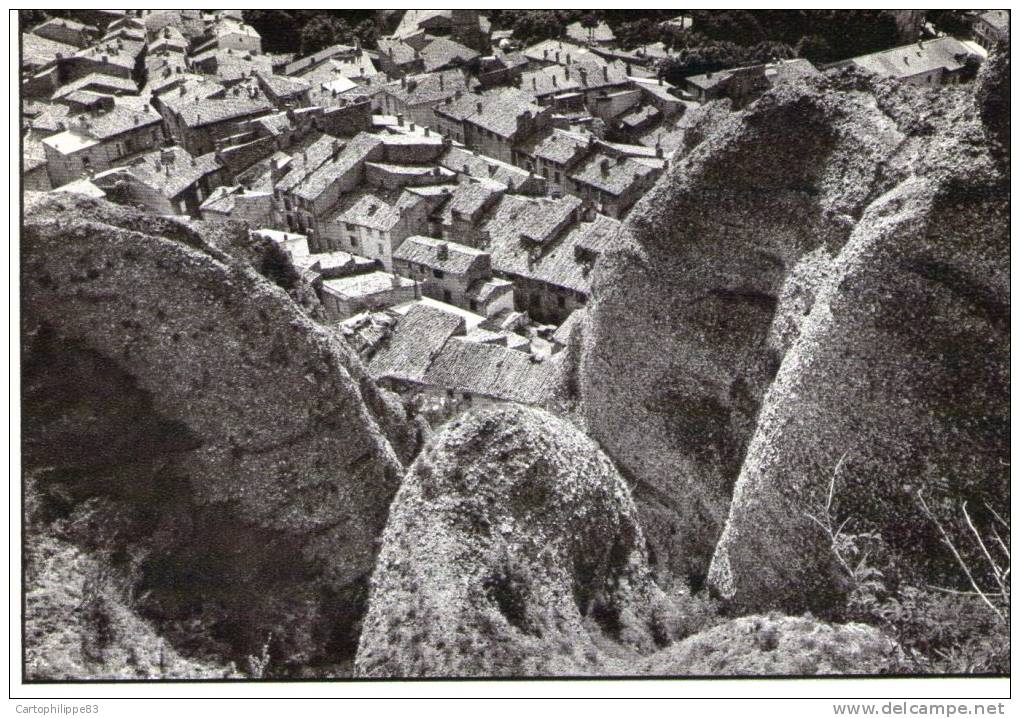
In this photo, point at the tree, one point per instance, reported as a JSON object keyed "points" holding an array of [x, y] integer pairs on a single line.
{"points": [[636, 33], [31, 18], [368, 33], [531, 26], [814, 48], [590, 19], [737, 26], [322, 31]]}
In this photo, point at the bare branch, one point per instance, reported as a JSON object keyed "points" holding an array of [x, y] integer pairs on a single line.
{"points": [[959, 559]]}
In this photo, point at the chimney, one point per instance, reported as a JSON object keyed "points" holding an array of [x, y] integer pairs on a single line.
{"points": [[545, 54], [411, 127], [400, 119], [660, 79], [568, 58], [554, 80], [478, 106], [443, 251], [557, 57], [441, 82], [605, 72], [604, 166], [629, 68], [426, 131], [534, 83], [658, 149], [403, 81], [492, 170], [395, 281]]}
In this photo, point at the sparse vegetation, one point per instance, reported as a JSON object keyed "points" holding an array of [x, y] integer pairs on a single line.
{"points": [[940, 629]]}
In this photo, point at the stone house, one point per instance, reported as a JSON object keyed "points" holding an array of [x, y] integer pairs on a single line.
{"points": [[612, 183], [455, 274], [494, 123], [100, 141], [165, 181], [346, 296], [415, 96]]}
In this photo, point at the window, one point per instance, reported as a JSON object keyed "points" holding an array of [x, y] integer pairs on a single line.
{"points": [[474, 305], [556, 175], [446, 296], [354, 241], [438, 273]]}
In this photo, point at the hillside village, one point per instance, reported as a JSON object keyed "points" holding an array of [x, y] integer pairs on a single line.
{"points": [[446, 194]]}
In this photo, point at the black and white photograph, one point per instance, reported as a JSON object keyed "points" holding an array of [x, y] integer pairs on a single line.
{"points": [[369, 351]]}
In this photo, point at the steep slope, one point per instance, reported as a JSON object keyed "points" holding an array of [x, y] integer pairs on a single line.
{"points": [[228, 447], [832, 291], [512, 549], [678, 353]]}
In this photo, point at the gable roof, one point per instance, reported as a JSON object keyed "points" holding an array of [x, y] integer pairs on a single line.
{"points": [[947, 53], [614, 175], [439, 254], [494, 371], [442, 52], [170, 171], [416, 340]]}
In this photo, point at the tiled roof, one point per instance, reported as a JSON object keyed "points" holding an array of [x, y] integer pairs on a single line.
{"points": [[363, 285], [558, 146], [410, 23], [372, 212], [50, 118], [500, 111], [999, 19], [483, 290], [610, 174], [917, 58], [442, 52], [228, 107], [469, 199], [169, 171], [638, 115], [493, 371], [308, 61], [449, 257], [38, 51], [95, 81], [283, 87], [122, 118], [563, 331], [427, 87], [354, 152], [398, 52], [416, 340], [557, 262], [459, 159]]}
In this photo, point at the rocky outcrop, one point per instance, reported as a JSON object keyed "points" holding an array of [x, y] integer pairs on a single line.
{"points": [[512, 549], [232, 449], [830, 289], [776, 645]]}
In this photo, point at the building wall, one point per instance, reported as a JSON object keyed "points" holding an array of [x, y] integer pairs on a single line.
{"points": [[544, 302], [614, 105], [340, 308], [439, 285], [102, 156], [37, 180]]}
